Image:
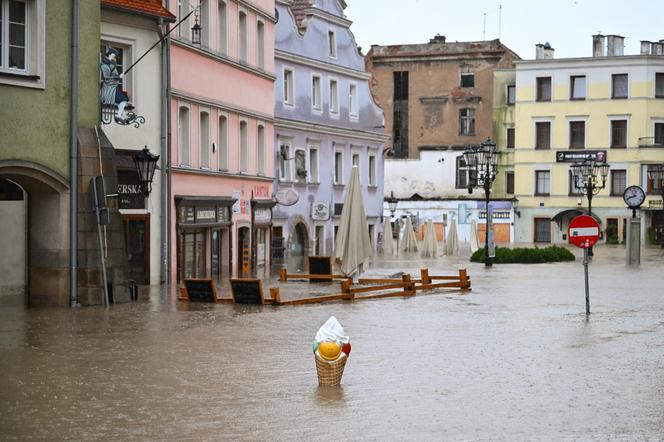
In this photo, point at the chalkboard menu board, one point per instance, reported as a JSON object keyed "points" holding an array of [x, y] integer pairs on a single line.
{"points": [[200, 290], [320, 265], [247, 291]]}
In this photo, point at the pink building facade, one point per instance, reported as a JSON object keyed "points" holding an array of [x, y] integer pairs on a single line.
{"points": [[222, 116]]}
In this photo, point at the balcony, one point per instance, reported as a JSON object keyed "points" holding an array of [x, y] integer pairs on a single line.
{"points": [[651, 142]]}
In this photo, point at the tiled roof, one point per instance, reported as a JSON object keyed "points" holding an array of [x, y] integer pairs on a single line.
{"points": [[147, 7]]}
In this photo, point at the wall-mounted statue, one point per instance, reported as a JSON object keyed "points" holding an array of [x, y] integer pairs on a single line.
{"points": [[112, 95]]}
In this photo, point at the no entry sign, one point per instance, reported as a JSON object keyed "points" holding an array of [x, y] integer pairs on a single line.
{"points": [[583, 231]]}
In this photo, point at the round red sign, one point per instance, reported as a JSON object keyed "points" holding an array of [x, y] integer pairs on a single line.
{"points": [[583, 231]]}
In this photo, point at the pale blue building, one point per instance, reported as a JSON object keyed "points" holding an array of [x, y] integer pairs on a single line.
{"points": [[326, 122]]}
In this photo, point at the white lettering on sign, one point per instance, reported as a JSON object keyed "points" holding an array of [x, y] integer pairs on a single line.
{"points": [[205, 214], [584, 231]]}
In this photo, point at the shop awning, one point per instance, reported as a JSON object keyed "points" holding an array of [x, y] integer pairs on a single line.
{"points": [[193, 200], [571, 213], [263, 204]]}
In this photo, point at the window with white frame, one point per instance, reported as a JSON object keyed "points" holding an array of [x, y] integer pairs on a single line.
{"points": [[223, 142], [577, 134], [204, 140], [542, 182], [22, 41], [222, 27], [467, 121], [260, 150], [334, 97], [242, 36], [372, 169], [461, 173], [542, 135], [577, 87], [260, 44], [331, 43], [618, 182], [184, 134], [618, 134], [338, 167], [313, 163], [355, 161], [316, 93], [183, 11], [244, 147], [352, 100], [284, 161], [288, 87]]}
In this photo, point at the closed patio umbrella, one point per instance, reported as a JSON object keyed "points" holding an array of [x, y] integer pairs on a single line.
{"points": [[409, 240], [352, 245], [474, 240], [452, 244], [388, 241], [430, 244]]}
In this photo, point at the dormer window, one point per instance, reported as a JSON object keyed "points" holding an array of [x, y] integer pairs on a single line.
{"points": [[332, 43]]}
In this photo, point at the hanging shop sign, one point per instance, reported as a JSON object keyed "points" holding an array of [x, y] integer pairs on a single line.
{"points": [[262, 215], [575, 156], [287, 197], [320, 211]]}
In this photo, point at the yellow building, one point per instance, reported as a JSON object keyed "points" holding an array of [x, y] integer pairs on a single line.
{"points": [[608, 106]]}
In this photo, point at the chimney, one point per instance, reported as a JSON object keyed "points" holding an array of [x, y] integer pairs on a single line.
{"points": [[645, 47], [615, 46], [548, 51], [539, 51], [438, 39], [598, 45], [657, 49]]}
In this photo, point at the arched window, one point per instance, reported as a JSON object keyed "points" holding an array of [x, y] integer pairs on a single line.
{"points": [[204, 140], [260, 44], [223, 142], [260, 150], [222, 27], [242, 37], [244, 148], [184, 150]]}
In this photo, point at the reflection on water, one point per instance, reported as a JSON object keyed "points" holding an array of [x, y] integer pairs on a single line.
{"points": [[515, 359]]}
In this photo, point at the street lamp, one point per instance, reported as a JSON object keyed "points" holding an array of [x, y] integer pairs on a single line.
{"points": [[590, 177], [196, 30], [515, 206], [392, 205], [482, 162], [146, 163], [656, 179]]}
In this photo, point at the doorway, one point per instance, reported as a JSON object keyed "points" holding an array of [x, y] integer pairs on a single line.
{"points": [[298, 249], [244, 251], [137, 247]]}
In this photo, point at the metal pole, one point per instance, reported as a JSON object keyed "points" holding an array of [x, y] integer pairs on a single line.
{"points": [[102, 258], [73, 162], [487, 194], [585, 271], [589, 191], [398, 226]]}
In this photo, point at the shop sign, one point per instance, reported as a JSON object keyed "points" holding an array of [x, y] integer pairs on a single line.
{"points": [[320, 211], [130, 193], [223, 215], [655, 204], [287, 197], [496, 215], [574, 156], [205, 215], [187, 215], [261, 191], [263, 215]]}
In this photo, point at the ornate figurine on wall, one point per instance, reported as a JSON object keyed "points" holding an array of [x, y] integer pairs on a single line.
{"points": [[115, 101]]}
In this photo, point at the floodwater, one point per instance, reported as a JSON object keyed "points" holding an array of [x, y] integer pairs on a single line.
{"points": [[516, 358]]}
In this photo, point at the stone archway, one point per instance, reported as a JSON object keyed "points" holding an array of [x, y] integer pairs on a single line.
{"points": [[298, 245], [47, 231]]}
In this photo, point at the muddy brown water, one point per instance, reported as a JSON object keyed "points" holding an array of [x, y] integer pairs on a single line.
{"points": [[514, 359]]}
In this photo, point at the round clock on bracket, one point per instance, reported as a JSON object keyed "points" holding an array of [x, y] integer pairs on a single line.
{"points": [[634, 196]]}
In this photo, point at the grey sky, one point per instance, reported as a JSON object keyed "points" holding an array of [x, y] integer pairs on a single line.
{"points": [[567, 24]]}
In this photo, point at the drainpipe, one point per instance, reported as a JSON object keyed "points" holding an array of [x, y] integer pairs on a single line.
{"points": [[73, 161], [164, 187], [169, 146]]}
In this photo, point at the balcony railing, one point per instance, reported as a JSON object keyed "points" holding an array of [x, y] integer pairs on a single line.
{"points": [[651, 142]]}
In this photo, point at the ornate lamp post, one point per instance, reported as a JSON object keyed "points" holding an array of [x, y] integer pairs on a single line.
{"points": [[482, 164], [146, 163], [656, 178], [590, 177], [392, 203]]}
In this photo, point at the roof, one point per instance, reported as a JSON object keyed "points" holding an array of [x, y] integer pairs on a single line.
{"points": [[152, 8], [439, 47]]}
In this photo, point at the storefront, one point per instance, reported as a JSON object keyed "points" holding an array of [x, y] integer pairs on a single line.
{"points": [[204, 237], [261, 221]]}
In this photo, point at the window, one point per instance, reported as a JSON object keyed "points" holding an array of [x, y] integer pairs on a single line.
{"points": [[222, 27], [13, 35], [288, 87], [577, 87], [260, 150], [284, 162], [400, 114], [183, 11], [543, 88], [509, 182], [573, 190], [577, 134], [122, 61], [652, 186], [204, 140], [22, 42], [659, 134], [204, 9], [260, 44], [619, 134], [315, 93], [242, 37], [542, 229], [244, 147], [313, 164], [659, 85], [331, 44], [619, 86], [543, 135], [352, 100], [338, 167], [184, 137], [511, 94], [372, 169], [510, 138], [223, 142], [467, 80], [334, 97], [300, 166], [356, 159], [542, 182], [618, 182], [461, 173], [467, 121]]}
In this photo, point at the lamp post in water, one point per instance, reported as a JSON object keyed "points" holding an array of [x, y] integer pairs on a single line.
{"points": [[590, 177], [392, 203]]}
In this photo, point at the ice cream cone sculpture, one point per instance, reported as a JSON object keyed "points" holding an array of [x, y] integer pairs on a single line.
{"points": [[331, 350]]}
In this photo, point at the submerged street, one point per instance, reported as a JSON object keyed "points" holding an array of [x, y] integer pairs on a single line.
{"points": [[516, 358]]}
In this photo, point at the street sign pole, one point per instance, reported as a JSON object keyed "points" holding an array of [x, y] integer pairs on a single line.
{"points": [[583, 232], [585, 270]]}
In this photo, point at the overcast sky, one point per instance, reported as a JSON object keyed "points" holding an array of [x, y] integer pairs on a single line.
{"points": [[567, 24]]}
